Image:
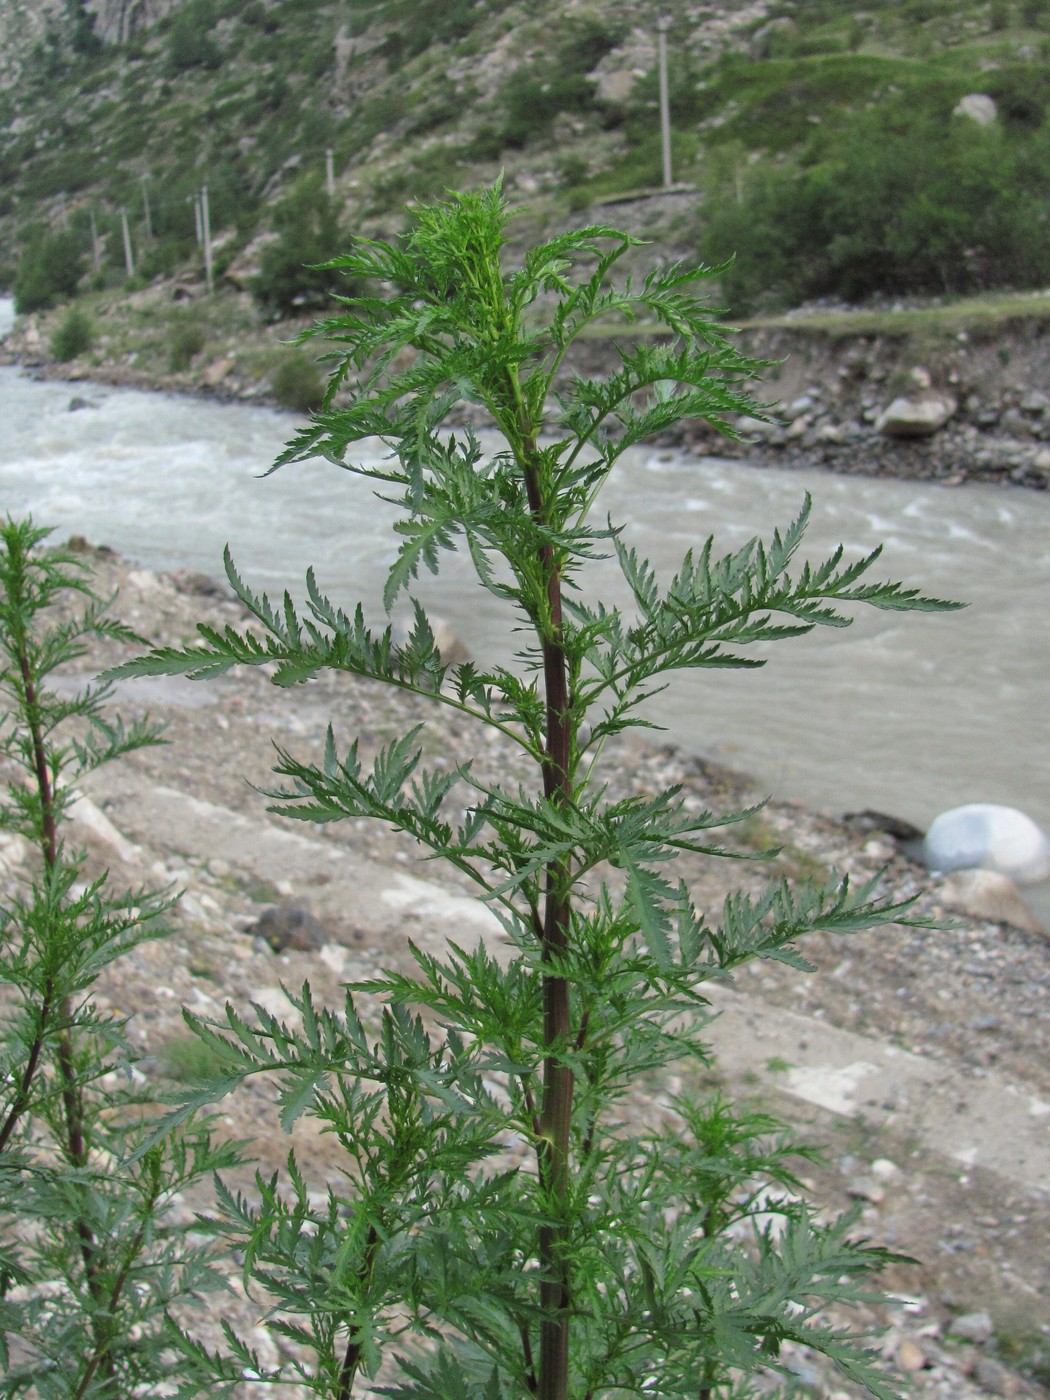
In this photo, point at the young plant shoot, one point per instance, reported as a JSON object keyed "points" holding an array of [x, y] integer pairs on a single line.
{"points": [[507, 1229], [91, 1263]]}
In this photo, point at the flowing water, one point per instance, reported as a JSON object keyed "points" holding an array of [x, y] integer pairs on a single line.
{"points": [[905, 713]]}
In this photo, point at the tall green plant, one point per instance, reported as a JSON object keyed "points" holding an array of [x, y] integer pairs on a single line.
{"points": [[90, 1261], [503, 1223]]}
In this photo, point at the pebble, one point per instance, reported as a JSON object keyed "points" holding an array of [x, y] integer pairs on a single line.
{"points": [[974, 1327], [995, 1379], [910, 1356], [863, 1188], [882, 1169], [291, 925]]}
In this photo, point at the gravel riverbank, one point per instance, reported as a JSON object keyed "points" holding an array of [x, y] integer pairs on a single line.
{"points": [[956, 1016]]}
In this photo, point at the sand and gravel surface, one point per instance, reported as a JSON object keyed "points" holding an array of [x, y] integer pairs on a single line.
{"points": [[917, 1057]]}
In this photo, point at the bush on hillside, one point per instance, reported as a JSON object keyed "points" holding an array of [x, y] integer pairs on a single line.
{"points": [[288, 281], [298, 383], [187, 341], [536, 93], [190, 44], [82, 36], [48, 271], [928, 208], [74, 336]]}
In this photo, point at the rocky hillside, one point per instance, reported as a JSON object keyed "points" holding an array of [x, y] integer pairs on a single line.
{"points": [[134, 105], [845, 156]]}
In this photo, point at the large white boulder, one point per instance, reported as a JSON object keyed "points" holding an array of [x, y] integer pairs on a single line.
{"points": [[986, 837], [915, 417]]}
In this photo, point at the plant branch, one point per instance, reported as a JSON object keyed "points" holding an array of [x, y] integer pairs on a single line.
{"points": [[354, 1349]]}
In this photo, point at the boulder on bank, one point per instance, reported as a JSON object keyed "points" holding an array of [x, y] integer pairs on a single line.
{"points": [[290, 925], [985, 894], [915, 417], [984, 836]]}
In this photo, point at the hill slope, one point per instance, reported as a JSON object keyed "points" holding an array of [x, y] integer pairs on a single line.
{"points": [[778, 111]]}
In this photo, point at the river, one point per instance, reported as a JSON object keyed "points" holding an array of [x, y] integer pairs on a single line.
{"points": [[905, 713]]}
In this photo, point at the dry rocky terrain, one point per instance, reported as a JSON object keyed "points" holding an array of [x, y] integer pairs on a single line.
{"points": [[917, 1057]]}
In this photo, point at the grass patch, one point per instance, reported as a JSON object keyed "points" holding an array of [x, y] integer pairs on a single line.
{"points": [[186, 1060], [988, 314], [990, 311]]}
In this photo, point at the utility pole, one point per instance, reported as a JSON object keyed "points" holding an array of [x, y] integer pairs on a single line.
{"points": [[96, 249], [662, 26], [329, 172], [129, 261], [206, 229], [143, 179]]}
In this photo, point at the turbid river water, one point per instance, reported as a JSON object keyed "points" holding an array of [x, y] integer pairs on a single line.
{"points": [[908, 714]]}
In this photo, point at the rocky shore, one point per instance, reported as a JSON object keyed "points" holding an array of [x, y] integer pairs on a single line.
{"points": [[966, 407], [940, 403], [919, 1057]]}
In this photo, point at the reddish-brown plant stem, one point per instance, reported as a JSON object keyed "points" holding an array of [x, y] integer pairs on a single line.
{"points": [[352, 1355], [20, 1102], [556, 1109], [48, 830], [100, 1358]]}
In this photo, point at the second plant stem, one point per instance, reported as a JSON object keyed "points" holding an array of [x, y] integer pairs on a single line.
{"points": [[75, 1145]]}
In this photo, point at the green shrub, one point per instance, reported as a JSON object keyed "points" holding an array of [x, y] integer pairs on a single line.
{"points": [[297, 383], [532, 100], [186, 1059], [74, 336], [187, 340], [930, 207], [82, 36], [163, 256], [537, 92], [190, 44], [48, 271], [288, 281]]}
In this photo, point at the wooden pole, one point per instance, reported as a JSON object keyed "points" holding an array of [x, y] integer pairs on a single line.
{"points": [[96, 248], [206, 228], [143, 179], [329, 172], [197, 220], [662, 26], [129, 261]]}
